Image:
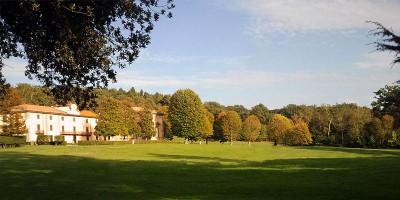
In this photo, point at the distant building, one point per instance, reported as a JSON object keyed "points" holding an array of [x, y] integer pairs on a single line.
{"points": [[68, 121], [73, 124], [158, 123]]}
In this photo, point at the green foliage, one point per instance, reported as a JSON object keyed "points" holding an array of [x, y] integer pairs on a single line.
{"points": [[34, 95], [388, 102], [231, 125], [101, 142], [251, 128], [59, 140], [146, 124], [44, 139], [112, 119], [73, 46], [185, 114], [6, 141], [241, 110], [262, 113]]}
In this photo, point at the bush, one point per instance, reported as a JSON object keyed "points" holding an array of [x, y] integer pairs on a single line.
{"points": [[102, 142], [44, 139], [59, 140], [12, 141]]}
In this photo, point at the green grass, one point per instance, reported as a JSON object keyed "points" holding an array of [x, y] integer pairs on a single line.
{"points": [[213, 171]]}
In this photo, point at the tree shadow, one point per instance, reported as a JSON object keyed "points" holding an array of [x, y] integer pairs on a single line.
{"points": [[363, 151], [30, 176]]}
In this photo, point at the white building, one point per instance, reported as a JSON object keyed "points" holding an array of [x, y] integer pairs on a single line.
{"points": [[68, 121], [73, 124]]}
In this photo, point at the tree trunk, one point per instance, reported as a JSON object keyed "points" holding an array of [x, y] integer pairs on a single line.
{"points": [[248, 142], [231, 139], [342, 138], [329, 127]]}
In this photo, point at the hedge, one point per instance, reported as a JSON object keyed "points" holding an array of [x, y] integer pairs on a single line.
{"points": [[12, 141], [102, 142], [59, 140], [44, 139]]}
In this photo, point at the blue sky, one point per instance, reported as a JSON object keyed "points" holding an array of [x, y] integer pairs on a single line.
{"points": [[273, 52]]}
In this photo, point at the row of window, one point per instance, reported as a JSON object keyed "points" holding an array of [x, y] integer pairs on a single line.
{"points": [[62, 118], [62, 128]]}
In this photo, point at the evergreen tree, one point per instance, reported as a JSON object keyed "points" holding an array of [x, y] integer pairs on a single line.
{"points": [[13, 124]]}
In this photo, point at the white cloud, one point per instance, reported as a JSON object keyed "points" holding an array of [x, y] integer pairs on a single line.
{"points": [[376, 61], [291, 16], [240, 78]]}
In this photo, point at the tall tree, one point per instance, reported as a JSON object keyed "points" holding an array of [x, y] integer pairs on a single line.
{"points": [[262, 113], [241, 110], [146, 124], [231, 125], [185, 114], [72, 46], [251, 128], [13, 124], [10, 99], [207, 125], [387, 101], [278, 127], [299, 134], [112, 119]]}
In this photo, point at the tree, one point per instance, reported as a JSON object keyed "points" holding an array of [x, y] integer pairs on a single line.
{"points": [[231, 125], [72, 46], [13, 124], [132, 123], [262, 113], [10, 99], [251, 128], [112, 119], [388, 102], [374, 132], [207, 125], [389, 41], [241, 110], [278, 127], [387, 126], [34, 95], [214, 107], [146, 124], [185, 114], [298, 135]]}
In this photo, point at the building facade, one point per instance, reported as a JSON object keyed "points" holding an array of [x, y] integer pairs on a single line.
{"points": [[73, 124], [68, 121]]}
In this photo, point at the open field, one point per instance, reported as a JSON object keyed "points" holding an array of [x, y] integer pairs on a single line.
{"points": [[213, 171]]}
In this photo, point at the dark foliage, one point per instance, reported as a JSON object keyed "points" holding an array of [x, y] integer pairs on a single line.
{"points": [[72, 46]]}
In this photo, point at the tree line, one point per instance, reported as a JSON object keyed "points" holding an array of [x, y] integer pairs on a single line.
{"points": [[185, 115]]}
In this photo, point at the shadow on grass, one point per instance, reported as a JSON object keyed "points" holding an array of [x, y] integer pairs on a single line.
{"points": [[29, 176], [365, 151]]}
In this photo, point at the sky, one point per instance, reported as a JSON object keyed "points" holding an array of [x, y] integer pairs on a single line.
{"points": [[274, 52]]}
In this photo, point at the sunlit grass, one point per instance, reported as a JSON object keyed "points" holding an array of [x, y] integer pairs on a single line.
{"points": [[212, 171]]}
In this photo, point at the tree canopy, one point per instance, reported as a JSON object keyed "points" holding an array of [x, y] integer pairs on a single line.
{"points": [[72, 47], [231, 125], [186, 114], [251, 128]]}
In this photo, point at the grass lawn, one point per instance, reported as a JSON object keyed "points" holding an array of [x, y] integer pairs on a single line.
{"points": [[213, 171]]}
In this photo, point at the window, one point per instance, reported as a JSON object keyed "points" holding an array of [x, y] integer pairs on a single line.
{"points": [[51, 127], [87, 129], [62, 118], [74, 129], [37, 116], [73, 119], [51, 117], [62, 129], [87, 120], [38, 128]]}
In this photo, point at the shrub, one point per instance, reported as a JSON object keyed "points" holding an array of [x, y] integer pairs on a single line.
{"points": [[12, 141], [59, 140], [102, 142], [44, 139]]}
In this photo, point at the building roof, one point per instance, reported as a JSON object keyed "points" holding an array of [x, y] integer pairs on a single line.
{"points": [[88, 113], [36, 108], [49, 110]]}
